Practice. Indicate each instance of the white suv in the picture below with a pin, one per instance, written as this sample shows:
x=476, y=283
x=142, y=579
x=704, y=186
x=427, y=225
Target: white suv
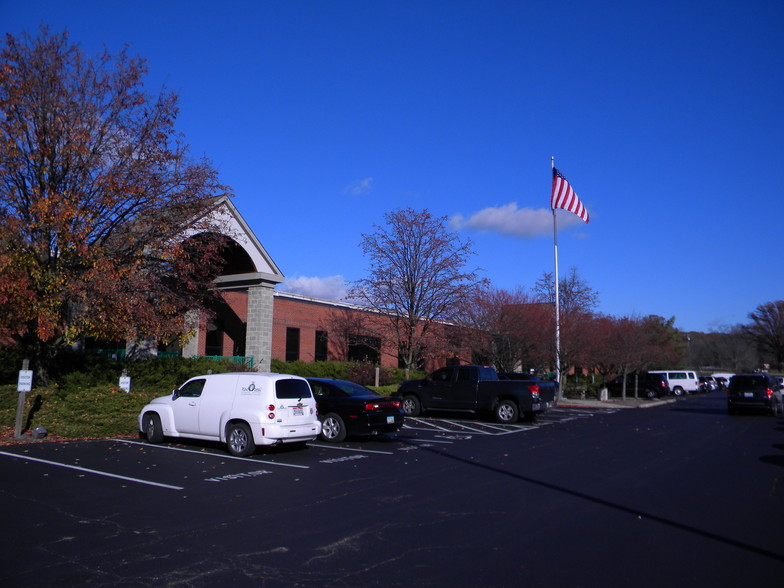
x=242, y=410
x=680, y=381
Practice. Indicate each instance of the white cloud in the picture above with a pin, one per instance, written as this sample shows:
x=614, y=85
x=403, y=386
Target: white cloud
x=525, y=223
x=359, y=187
x=329, y=288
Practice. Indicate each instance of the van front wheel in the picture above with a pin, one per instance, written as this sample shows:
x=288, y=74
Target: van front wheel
x=153, y=428
x=239, y=440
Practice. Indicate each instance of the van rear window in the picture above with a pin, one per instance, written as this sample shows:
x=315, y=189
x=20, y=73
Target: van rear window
x=292, y=389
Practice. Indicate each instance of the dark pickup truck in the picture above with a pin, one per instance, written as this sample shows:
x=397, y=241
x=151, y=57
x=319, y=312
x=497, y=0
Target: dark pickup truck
x=478, y=389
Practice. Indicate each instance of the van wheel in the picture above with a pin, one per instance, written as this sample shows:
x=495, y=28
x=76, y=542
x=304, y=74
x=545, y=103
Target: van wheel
x=506, y=412
x=412, y=406
x=153, y=428
x=239, y=440
x=678, y=391
x=333, y=429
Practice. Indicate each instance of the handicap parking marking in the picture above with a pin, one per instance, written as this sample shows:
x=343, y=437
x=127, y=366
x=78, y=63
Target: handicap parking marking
x=92, y=471
x=442, y=427
x=209, y=453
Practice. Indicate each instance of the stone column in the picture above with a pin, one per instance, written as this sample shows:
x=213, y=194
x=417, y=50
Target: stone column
x=191, y=348
x=258, y=337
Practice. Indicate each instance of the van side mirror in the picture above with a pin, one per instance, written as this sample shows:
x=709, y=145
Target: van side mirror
x=175, y=394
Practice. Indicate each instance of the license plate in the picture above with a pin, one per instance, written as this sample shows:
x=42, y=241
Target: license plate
x=299, y=411
x=748, y=394
x=390, y=420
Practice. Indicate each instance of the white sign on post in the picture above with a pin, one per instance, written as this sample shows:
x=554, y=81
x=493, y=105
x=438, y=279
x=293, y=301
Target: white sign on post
x=25, y=382
x=125, y=383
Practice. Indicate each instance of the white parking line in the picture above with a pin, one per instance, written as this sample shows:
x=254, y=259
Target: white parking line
x=284, y=465
x=350, y=449
x=89, y=471
x=464, y=426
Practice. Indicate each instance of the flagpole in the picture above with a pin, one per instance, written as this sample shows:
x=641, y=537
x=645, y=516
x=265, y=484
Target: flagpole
x=557, y=300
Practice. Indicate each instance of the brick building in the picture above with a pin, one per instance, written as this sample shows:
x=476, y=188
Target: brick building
x=254, y=321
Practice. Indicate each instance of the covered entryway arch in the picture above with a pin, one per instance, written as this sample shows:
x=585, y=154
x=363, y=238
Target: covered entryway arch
x=243, y=321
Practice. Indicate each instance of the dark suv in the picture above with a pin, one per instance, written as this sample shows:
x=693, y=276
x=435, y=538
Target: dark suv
x=648, y=385
x=754, y=391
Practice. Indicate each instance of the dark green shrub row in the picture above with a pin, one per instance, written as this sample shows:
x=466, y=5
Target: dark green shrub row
x=359, y=372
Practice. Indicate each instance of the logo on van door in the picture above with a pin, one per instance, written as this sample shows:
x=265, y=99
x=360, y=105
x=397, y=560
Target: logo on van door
x=251, y=390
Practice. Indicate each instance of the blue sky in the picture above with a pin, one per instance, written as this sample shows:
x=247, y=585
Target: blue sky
x=665, y=117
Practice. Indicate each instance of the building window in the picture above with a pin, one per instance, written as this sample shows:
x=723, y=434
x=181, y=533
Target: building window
x=292, y=344
x=213, y=344
x=320, y=353
x=362, y=348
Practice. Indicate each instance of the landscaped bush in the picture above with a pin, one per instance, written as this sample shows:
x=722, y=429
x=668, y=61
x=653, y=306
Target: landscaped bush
x=359, y=372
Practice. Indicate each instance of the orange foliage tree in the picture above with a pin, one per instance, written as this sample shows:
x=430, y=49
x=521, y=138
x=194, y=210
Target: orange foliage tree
x=103, y=212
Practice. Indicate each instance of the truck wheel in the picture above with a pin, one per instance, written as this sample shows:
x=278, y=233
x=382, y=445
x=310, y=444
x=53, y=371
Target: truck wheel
x=153, y=428
x=333, y=429
x=506, y=412
x=412, y=406
x=239, y=440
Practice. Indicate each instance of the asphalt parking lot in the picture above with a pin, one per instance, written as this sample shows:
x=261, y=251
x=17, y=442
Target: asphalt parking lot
x=184, y=465
x=448, y=500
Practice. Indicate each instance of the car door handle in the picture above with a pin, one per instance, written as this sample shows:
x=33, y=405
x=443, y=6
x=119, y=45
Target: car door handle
x=192, y=403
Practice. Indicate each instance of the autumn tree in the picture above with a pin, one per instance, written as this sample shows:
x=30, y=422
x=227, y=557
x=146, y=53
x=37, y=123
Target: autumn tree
x=767, y=332
x=97, y=196
x=417, y=278
x=507, y=328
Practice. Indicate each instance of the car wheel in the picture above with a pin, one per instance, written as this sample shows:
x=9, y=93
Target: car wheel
x=239, y=440
x=333, y=429
x=412, y=406
x=506, y=412
x=678, y=391
x=153, y=428
x=651, y=394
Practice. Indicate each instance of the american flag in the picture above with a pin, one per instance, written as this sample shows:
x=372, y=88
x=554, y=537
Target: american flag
x=564, y=197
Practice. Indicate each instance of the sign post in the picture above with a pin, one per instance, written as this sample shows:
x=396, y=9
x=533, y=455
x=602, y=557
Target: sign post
x=23, y=386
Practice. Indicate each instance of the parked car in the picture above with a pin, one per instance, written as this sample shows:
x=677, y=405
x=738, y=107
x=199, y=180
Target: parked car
x=243, y=410
x=346, y=408
x=680, y=381
x=721, y=382
x=649, y=385
x=708, y=384
x=754, y=391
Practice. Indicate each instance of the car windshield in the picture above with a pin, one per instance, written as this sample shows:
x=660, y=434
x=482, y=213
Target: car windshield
x=351, y=389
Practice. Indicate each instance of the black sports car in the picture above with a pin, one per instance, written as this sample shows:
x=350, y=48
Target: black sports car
x=346, y=408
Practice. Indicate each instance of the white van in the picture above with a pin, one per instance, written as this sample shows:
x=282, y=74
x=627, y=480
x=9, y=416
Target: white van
x=680, y=381
x=242, y=410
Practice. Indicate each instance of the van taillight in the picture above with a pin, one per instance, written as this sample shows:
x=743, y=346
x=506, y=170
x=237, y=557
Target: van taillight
x=271, y=409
